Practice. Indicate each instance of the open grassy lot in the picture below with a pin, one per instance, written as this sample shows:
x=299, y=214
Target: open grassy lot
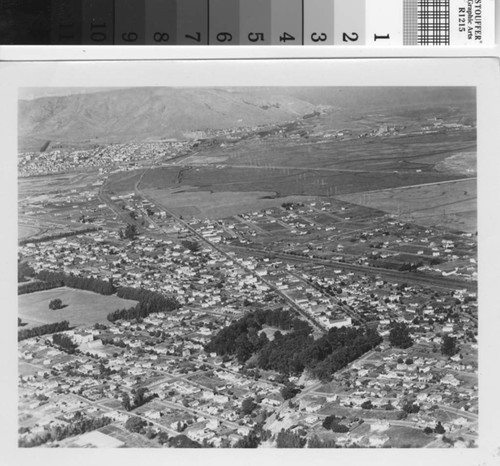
x=82, y=307
x=407, y=437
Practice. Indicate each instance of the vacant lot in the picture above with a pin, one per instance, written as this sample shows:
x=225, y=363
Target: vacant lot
x=81, y=307
x=407, y=437
x=451, y=204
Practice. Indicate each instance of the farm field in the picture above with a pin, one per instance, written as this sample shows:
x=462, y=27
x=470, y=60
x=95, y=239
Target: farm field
x=448, y=204
x=403, y=152
x=189, y=202
x=280, y=181
x=309, y=168
x=82, y=307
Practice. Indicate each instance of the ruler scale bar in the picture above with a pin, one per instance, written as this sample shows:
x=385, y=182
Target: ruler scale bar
x=318, y=22
x=224, y=22
x=286, y=22
x=98, y=22
x=161, y=22
x=255, y=22
x=66, y=23
x=192, y=22
x=345, y=23
x=130, y=22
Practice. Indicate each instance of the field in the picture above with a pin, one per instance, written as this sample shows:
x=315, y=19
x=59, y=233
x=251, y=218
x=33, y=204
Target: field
x=189, y=202
x=82, y=307
x=406, y=437
x=449, y=204
x=221, y=180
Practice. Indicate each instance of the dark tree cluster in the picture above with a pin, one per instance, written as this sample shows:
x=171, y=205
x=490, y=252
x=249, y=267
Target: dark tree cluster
x=411, y=408
x=135, y=424
x=130, y=231
x=193, y=246
x=78, y=426
x=254, y=438
x=241, y=337
x=104, y=287
x=182, y=441
x=24, y=270
x=449, y=346
x=141, y=397
x=289, y=439
x=42, y=330
x=33, y=287
x=295, y=351
x=64, y=342
x=55, y=304
x=316, y=442
x=411, y=266
x=67, y=234
x=248, y=406
x=333, y=423
x=289, y=391
x=149, y=302
x=399, y=336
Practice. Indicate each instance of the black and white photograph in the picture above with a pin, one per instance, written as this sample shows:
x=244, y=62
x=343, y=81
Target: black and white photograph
x=237, y=266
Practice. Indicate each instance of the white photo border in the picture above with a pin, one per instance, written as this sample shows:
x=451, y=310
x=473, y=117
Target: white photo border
x=482, y=73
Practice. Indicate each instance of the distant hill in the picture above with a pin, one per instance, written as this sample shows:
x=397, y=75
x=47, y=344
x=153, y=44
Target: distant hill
x=140, y=114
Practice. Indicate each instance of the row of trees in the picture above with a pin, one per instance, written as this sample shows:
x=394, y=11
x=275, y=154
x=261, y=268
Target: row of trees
x=25, y=333
x=66, y=234
x=104, y=287
x=295, y=351
x=33, y=287
x=149, y=302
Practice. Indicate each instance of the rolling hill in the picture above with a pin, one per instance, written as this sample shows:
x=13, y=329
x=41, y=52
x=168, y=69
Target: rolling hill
x=85, y=115
x=140, y=114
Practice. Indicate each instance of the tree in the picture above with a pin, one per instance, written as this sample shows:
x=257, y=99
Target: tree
x=127, y=406
x=162, y=438
x=130, y=232
x=55, y=304
x=449, y=346
x=367, y=404
x=64, y=342
x=289, y=391
x=193, y=246
x=289, y=439
x=252, y=440
x=439, y=429
x=339, y=428
x=399, y=336
x=316, y=442
x=248, y=406
x=134, y=424
x=410, y=407
x=328, y=421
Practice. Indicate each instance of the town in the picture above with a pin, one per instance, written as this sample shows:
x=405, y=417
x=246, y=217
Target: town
x=114, y=377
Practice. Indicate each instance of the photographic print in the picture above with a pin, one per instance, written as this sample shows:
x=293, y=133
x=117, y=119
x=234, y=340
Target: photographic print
x=247, y=266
